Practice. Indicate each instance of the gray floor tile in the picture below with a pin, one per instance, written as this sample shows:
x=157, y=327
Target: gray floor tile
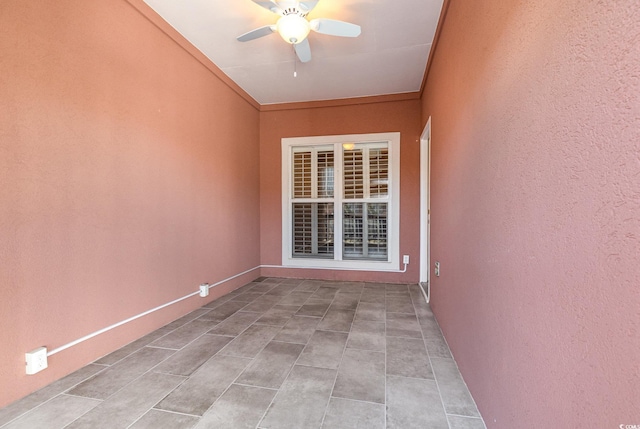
x=309, y=286
x=348, y=414
x=325, y=292
x=247, y=296
x=350, y=287
x=403, y=325
x=344, y=301
x=392, y=287
x=205, y=385
x=414, y=403
x=263, y=287
x=361, y=376
x=235, y=324
x=314, y=308
x=455, y=395
x=437, y=347
x=366, y=335
x=250, y=342
x=399, y=294
x=57, y=413
x=298, y=330
x=130, y=403
x=31, y=401
x=182, y=336
x=114, y=378
x=187, y=360
x=371, y=311
x=459, y=422
x=279, y=315
x=132, y=347
x=291, y=281
x=337, y=320
x=295, y=298
x=399, y=305
x=281, y=290
x=373, y=296
x=223, y=311
x=374, y=286
x=408, y=357
x=305, y=336
x=240, y=407
x=429, y=327
x=156, y=419
x=186, y=318
x=271, y=366
x=302, y=399
x=262, y=305
x=324, y=349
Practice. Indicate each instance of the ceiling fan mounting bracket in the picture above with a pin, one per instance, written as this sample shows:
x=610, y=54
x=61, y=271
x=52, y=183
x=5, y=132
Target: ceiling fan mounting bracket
x=293, y=11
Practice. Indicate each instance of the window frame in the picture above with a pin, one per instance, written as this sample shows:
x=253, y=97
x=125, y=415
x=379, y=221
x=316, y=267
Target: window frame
x=393, y=221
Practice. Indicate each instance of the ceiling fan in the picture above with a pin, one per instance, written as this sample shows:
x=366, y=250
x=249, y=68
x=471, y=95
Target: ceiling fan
x=294, y=27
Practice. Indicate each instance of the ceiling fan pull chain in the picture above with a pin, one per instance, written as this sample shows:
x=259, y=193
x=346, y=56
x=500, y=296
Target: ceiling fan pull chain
x=295, y=62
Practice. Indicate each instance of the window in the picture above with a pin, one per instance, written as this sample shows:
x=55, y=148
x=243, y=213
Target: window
x=341, y=201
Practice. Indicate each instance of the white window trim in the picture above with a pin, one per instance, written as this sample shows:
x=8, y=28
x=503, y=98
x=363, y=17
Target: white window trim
x=393, y=260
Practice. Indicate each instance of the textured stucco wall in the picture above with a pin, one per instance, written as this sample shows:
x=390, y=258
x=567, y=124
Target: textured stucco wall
x=535, y=110
x=377, y=117
x=128, y=176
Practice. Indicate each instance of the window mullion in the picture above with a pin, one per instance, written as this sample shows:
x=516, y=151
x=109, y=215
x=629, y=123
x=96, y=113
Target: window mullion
x=338, y=195
x=314, y=228
x=314, y=173
x=365, y=231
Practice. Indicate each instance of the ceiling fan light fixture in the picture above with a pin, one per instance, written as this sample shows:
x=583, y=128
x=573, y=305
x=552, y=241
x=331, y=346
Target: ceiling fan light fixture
x=293, y=28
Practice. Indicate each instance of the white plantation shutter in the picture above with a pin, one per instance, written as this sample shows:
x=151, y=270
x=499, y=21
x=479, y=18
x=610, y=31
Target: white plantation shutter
x=353, y=168
x=312, y=220
x=366, y=174
x=341, y=200
x=379, y=172
x=302, y=174
x=325, y=174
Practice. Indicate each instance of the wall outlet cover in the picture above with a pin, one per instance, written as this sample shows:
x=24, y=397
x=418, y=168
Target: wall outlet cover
x=204, y=290
x=36, y=360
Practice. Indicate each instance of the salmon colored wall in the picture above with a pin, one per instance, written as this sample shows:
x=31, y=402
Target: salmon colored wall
x=402, y=116
x=128, y=176
x=536, y=207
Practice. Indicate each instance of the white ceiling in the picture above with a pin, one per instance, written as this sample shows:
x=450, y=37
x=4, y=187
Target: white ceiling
x=389, y=57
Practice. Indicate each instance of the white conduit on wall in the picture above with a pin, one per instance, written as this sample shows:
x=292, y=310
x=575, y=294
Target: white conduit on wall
x=130, y=319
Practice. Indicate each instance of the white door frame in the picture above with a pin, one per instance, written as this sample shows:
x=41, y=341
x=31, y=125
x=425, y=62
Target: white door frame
x=425, y=206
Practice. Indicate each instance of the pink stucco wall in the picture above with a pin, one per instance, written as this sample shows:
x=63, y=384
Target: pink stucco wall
x=535, y=110
x=375, y=116
x=128, y=176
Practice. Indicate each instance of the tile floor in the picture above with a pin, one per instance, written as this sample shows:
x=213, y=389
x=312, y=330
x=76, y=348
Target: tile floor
x=276, y=353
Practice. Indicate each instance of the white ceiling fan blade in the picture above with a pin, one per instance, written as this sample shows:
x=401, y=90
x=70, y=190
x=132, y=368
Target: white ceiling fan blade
x=307, y=6
x=303, y=51
x=334, y=27
x=258, y=32
x=270, y=5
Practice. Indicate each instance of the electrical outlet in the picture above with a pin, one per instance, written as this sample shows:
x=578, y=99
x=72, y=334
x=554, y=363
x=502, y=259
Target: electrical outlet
x=204, y=289
x=36, y=360
x=405, y=259
x=437, y=269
